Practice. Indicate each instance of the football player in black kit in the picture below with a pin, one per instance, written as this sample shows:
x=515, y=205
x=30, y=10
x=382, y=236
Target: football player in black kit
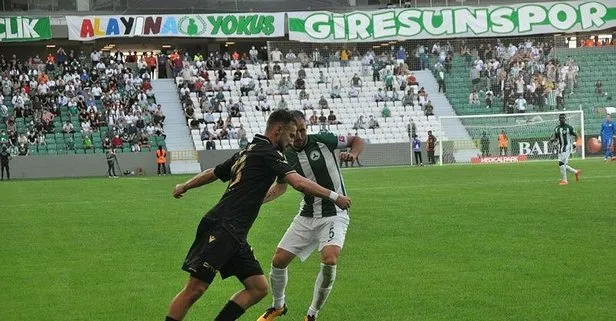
x=221, y=241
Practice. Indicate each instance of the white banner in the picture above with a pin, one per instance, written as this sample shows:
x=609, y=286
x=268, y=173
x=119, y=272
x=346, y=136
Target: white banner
x=426, y=23
x=233, y=25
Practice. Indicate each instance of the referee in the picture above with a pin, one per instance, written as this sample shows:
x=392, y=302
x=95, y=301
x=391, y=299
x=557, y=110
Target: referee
x=5, y=157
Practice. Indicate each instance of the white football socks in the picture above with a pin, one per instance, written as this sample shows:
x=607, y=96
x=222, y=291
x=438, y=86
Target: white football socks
x=571, y=169
x=322, y=287
x=278, y=280
x=563, y=172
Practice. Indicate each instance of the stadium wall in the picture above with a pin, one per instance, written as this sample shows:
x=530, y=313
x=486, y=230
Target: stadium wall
x=77, y=165
x=373, y=155
x=62, y=166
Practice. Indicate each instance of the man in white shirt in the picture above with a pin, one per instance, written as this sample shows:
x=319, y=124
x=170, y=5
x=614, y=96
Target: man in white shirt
x=97, y=92
x=254, y=55
x=276, y=55
x=95, y=56
x=290, y=56
x=521, y=104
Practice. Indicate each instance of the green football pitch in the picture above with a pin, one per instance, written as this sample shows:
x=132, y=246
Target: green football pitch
x=494, y=242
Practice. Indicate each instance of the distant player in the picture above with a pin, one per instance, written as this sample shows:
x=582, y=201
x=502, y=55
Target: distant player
x=607, y=136
x=320, y=224
x=565, y=137
x=220, y=243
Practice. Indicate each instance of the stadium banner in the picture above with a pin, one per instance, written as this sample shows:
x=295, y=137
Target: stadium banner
x=537, y=147
x=21, y=29
x=233, y=25
x=428, y=23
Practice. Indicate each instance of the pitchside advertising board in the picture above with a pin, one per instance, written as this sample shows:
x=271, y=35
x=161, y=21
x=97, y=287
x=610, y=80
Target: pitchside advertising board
x=237, y=25
x=21, y=29
x=429, y=23
x=523, y=149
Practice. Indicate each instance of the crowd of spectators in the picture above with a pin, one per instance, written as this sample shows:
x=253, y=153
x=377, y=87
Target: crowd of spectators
x=518, y=75
x=73, y=96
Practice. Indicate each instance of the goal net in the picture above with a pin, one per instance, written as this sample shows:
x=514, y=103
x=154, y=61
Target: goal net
x=506, y=138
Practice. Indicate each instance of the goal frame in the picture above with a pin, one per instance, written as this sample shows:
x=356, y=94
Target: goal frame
x=566, y=112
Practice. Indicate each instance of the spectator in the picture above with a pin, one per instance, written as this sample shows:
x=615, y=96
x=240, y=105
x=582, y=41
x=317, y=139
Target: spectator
x=254, y=55
x=276, y=69
x=473, y=98
x=243, y=142
x=323, y=103
x=409, y=99
x=344, y=57
x=300, y=83
x=116, y=141
x=290, y=56
x=521, y=104
x=389, y=81
x=354, y=93
x=423, y=97
x=322, y=78
x=276, y=55
x=335, y=93
x=264, y=106
x=307, y=104
x=429, y=109
x=475, y=78
x=246, y=85
x=356, y=81
x=412, y=80
x=440, y=76
x=380, y=95
x=373, y=123
x=209, y=118
x=87, y=142
x=598, y=89
x=106, y=144
x=303, y=95
x=489, y=99
x=485, y=145
x=331, y=119
x=360, y=123
x=282, y=104
x=322, y=119
x=313, y=118
x=68, y=128
x=301, y=73
x=210, y=144
x=385, y=112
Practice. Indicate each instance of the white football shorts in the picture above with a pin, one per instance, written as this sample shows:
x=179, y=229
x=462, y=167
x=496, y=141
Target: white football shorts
x=305, y=234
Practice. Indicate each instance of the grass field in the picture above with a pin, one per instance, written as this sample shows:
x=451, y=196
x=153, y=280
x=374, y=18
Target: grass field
x=492, y=243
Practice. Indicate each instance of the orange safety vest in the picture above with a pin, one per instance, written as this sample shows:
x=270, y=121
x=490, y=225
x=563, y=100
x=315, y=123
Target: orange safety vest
x=502, y=141
x=161, y=156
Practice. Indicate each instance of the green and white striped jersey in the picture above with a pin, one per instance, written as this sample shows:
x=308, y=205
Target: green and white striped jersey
x=563, y=134
x=317, y=162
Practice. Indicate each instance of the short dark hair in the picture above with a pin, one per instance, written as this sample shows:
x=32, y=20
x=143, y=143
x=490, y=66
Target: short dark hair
x=280, y=116
x=298, y=114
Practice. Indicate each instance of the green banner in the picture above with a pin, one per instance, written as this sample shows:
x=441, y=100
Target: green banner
x=427, y=23
x=19, y=29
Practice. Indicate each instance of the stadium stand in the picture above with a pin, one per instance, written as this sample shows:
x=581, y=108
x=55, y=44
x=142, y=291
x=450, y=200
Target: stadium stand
x=355, y=100
x=77, y=104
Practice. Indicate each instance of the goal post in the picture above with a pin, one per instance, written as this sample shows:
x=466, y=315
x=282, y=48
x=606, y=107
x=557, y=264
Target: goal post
x=504, y=138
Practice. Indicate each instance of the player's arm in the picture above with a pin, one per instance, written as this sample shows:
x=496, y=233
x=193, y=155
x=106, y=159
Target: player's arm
x=203, y=178
x=356, y=146
x=279, y=165
x=222, y=172
x=275, y=191
x=309, y=187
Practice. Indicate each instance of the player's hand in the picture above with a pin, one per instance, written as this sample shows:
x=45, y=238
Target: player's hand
x=343, y=202
x=347, y=157
x=179, y=190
